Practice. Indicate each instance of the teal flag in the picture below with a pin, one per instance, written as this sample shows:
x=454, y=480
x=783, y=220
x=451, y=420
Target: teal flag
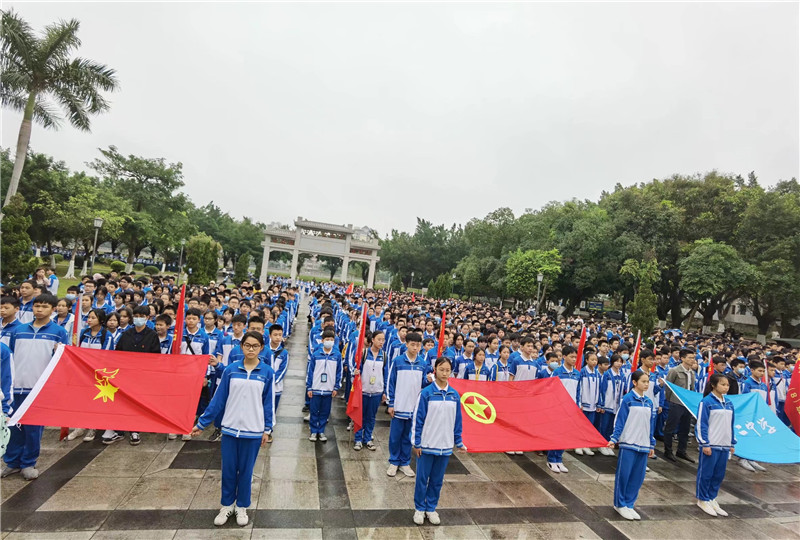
x=760, y=435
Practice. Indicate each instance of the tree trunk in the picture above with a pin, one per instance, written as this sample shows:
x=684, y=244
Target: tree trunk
x=23, y=141
x=789, y=330
x=675, y=309
x=71, y=268
x=689, y=317
x=130, y=259
x=52, y=255
x=163, y=266
x=38, y=252
x=84, y=270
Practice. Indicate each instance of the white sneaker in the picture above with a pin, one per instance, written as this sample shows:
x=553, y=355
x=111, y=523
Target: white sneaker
x=607, y=451
x=419, y=517
x=241, y=516
x=757, y=466
x=358, y=446
x=579, y=451
x=350, y=426
x=717, y=509
x=636, y=515
x=322, y=437
x=172, y=436
x=224, y=513
x=406, y=470
x=706, y=507
x=89, y=437
x=312, y=437
x=519, y=453
x=647, y=469
x=625, y=512
x=307, y=418
x=186, y=437
x=392, y=470
x=588, y=451
x=511, y=453
x=744, y=464
x=433, y=517
x=553, y=467
x=75, y=433
x=562, y=467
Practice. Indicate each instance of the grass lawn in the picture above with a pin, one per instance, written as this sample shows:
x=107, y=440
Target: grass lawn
x=63, y=283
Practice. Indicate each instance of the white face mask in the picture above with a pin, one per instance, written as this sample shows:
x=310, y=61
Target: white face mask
x=138, y=322
x=553, y=365
x=327, y=344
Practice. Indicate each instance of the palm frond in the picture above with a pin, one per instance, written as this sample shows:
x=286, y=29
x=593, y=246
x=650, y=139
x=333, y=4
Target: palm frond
x=46, y=114
x=81, y=73
x=13, y=100
x=14, y=80
x=59, y=39
x=76, y=109
x=17, y=40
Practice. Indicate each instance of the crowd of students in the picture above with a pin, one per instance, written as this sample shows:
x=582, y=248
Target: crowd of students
x=242, y=331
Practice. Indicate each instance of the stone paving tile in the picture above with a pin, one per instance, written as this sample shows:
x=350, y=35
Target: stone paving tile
x=288, y=494
x=294, y=534
x=111, y=463
x=774, y=528
x=151, y=493
x=394, y=533
x=566, y=530
x=526, y=494
x=369, y=496
x=90, y=493
x=165, y=534
x=444, y=532
x=213, y=534
x=76, y=535
x=670, y=529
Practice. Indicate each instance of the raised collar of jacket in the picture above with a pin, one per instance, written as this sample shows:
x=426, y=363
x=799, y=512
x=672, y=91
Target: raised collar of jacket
x=414, y=361
x=718, y=399
x=257, y=368
x=444, y=390
x=636, y=396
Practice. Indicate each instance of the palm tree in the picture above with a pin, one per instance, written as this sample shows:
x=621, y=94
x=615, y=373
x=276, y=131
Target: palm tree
x=38, y=77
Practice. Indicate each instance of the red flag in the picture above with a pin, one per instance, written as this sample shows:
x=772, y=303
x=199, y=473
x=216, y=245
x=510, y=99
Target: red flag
x=523, y=416
x=441, y=334
x=76, y=324
x=349, y=289
x=181, y=311
x=766, y=381
x=95, y=389
x=581, y=345
x=792, y=405
x=390, y=295
x=710, y=364
x=413, y=297
x=355, y=403
x=636, y=351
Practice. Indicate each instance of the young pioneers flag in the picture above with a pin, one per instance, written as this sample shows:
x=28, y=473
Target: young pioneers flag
x=792, y=405
x=355, y=405
x=636, y=350
x=523, y=416
x=581, y=346
x=131, y=391
x=179, y=314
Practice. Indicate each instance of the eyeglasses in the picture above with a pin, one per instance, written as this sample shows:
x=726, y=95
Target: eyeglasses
x=251, y=346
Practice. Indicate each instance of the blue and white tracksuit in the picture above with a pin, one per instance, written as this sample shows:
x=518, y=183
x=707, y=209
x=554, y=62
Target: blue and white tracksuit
x=501, y=372
x=714, y=429
x=473, y=373
x=373, y=385
x=611, y=392
x=571, y=380
x=590, y=394
x=633, y=431
x=32, y=349
x=523, y=369
x=278, y=359
x=324, y=377
x=245, y=400
x=406, y=380
x=436, y=428
x=6, y=379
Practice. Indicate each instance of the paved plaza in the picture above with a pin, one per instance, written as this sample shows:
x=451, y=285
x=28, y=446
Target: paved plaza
x=171, y=489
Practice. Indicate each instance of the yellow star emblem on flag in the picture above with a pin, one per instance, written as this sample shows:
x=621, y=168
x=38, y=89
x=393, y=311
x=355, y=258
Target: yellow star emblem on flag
x=106, y=389
x=476, y=407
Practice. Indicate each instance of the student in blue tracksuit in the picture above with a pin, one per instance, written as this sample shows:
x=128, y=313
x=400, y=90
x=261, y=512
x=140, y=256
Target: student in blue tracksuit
x=323, y=383
x=408, y=375
x=477, y=370
x=611, y=392
x=245, y=395
x=32, y=346
x=435, y=430
x=589, y=393
x=633, y=432
x=570, y=378
x=276, y=356
x=373, y=388
x=6, y=380
x=716, y=437
x=754, y=383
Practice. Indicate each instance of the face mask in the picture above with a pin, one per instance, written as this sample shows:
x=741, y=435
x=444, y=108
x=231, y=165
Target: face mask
x=138, y=322
x=328, y=345
x=553, y=365
x=740, y=370
x=70, y=297
x=625, y=356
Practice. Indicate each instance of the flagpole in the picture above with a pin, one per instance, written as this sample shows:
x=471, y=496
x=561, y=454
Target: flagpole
x=179, y=314
x=441, y=334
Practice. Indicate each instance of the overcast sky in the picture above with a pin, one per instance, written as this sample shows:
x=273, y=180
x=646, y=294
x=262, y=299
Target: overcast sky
x=377, y=113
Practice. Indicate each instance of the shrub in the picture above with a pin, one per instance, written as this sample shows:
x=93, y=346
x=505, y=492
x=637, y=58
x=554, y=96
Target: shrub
x=152, y=270
x=117, y=266
x=58, y=258
x=139, y=267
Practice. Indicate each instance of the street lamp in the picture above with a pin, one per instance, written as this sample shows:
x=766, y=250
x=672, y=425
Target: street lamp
x=411, y=286
x=539, y=278
x=98, y=223
x=180, y=260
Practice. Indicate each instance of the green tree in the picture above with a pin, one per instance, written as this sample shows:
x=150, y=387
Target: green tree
x=523, y=267
x=397, y=283
x=241, y=269
x=38, y=78
x=643, y=308
x=202, y=257
x=17, y=259
x=332, y=265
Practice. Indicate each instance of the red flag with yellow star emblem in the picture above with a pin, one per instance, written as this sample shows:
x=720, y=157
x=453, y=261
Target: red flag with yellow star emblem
x=522, y=416
x=98, y=389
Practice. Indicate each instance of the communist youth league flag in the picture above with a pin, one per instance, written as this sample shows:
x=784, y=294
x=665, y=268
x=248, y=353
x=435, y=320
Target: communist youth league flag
x=522, y=416
x=96, y=389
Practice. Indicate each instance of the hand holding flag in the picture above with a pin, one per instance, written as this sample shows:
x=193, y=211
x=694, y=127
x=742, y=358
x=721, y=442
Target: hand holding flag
x=581, y=346
x=176, y=343
x=355, y=403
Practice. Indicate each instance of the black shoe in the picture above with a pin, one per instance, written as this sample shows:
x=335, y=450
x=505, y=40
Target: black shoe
x=305, y=408
x=669, y=456
x=111, y=440
x=684, y=456
x=134, y=438
x=659, y=438
x=216, y=436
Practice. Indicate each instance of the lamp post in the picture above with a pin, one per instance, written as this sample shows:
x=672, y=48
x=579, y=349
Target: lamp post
x=98, y=223
x=539, y=278
x=411, y=286
x=180, y=260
